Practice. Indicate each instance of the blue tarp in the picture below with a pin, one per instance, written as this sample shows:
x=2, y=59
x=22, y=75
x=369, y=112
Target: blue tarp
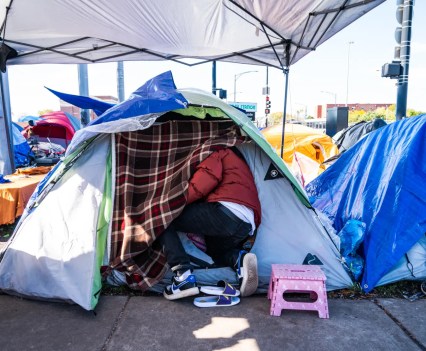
x=379, y=181
x=21, y=148
x=84, y=102
x=159, y=94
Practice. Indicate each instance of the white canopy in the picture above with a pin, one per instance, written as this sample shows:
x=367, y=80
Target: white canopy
x=275, y=33
x=240, y=31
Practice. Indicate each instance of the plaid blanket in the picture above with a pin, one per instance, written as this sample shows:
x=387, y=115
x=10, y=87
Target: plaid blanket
x=153, y=167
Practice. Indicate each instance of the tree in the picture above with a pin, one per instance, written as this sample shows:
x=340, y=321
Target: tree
x=387, y=114
x=277, y=118
x=44, y=112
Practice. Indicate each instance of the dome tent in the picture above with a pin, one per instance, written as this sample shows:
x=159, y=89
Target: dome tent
x=388, y=196
x=305, y=149
x=59, y=255
x=55, y=127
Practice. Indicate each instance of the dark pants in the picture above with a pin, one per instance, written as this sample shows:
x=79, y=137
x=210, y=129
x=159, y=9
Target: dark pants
x=224, y=234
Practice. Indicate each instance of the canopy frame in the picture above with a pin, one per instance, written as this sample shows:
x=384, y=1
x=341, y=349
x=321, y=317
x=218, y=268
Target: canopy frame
x=275, y=40
x=313, y=43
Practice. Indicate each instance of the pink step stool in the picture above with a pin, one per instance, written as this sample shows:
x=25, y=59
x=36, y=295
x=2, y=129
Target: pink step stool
x=290, y=278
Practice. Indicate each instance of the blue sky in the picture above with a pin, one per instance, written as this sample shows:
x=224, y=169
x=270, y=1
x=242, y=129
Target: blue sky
x=326, y=69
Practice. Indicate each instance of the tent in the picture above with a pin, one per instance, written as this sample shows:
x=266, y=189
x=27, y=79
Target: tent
x=388, y=196
x=125, y=176
x=350, y=135
x=54, y=127
x=22, y=150
x=29, y=118
x=272, y=33
x=305, y=149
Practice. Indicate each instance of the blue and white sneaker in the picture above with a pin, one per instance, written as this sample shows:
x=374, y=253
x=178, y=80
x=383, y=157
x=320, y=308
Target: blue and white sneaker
x=247, y=273
x=180, y=289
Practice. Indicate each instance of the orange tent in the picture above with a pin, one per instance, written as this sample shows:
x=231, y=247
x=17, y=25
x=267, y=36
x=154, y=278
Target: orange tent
x=305, y=149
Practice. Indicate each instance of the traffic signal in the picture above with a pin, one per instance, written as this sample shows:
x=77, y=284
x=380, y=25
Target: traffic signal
x=398, y=30
x=268, y=106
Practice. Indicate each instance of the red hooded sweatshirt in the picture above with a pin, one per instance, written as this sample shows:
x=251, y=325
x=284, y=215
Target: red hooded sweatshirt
x=223, y=176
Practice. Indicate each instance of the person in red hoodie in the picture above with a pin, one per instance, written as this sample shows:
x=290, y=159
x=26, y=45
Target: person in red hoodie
x=223, y=206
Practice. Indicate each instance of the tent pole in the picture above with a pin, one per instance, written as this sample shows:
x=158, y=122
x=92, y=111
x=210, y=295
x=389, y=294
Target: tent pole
x=286, y=72
x=7, y=163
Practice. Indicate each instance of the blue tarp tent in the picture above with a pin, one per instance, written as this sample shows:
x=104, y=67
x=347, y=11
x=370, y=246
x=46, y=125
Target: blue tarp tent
x=381, y=182
x=20, y=146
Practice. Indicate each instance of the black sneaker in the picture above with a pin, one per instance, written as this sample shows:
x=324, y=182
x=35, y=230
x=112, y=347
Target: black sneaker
x=180, y=289
x=247, y=273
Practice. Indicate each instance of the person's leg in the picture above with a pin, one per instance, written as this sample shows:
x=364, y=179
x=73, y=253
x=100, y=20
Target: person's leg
x=224, y=232
x=224, y=235
x=183, y=282
x=225, y=249
x=176, y=256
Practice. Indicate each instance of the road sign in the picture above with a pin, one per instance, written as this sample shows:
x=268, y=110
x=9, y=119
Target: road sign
x=266, y=91
x=251, y=115
x=246, y=106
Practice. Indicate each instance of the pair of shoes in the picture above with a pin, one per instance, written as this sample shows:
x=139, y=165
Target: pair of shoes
x=179, y=289
x=224, y=295
x=247, y=273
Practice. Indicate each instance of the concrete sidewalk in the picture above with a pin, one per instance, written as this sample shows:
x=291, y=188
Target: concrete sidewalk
x=152, y=323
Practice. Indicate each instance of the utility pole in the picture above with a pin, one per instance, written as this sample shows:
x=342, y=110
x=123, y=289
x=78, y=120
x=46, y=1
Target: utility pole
x=120, y=81
x=214, y=77
x=404, y=16
x=83, y=82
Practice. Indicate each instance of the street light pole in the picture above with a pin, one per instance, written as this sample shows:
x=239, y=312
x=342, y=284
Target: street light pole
x=236, y=76
x=331, y=93
x=305, y=110
x=347, y=77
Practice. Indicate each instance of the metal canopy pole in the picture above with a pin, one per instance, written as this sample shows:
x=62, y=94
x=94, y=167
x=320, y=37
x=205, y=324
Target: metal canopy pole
x=286, y=69
x=286, y=72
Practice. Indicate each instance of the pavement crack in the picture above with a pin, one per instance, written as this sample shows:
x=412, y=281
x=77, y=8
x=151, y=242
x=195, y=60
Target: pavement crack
x=400, y=325
x=115, y=325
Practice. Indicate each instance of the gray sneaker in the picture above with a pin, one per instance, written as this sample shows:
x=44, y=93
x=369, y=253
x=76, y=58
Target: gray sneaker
x=247, y=273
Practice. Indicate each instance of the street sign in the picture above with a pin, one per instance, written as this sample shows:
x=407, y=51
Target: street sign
x=251, y=115
x=246, y=106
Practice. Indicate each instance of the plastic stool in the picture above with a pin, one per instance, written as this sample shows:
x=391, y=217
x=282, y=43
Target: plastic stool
x=288, y=278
